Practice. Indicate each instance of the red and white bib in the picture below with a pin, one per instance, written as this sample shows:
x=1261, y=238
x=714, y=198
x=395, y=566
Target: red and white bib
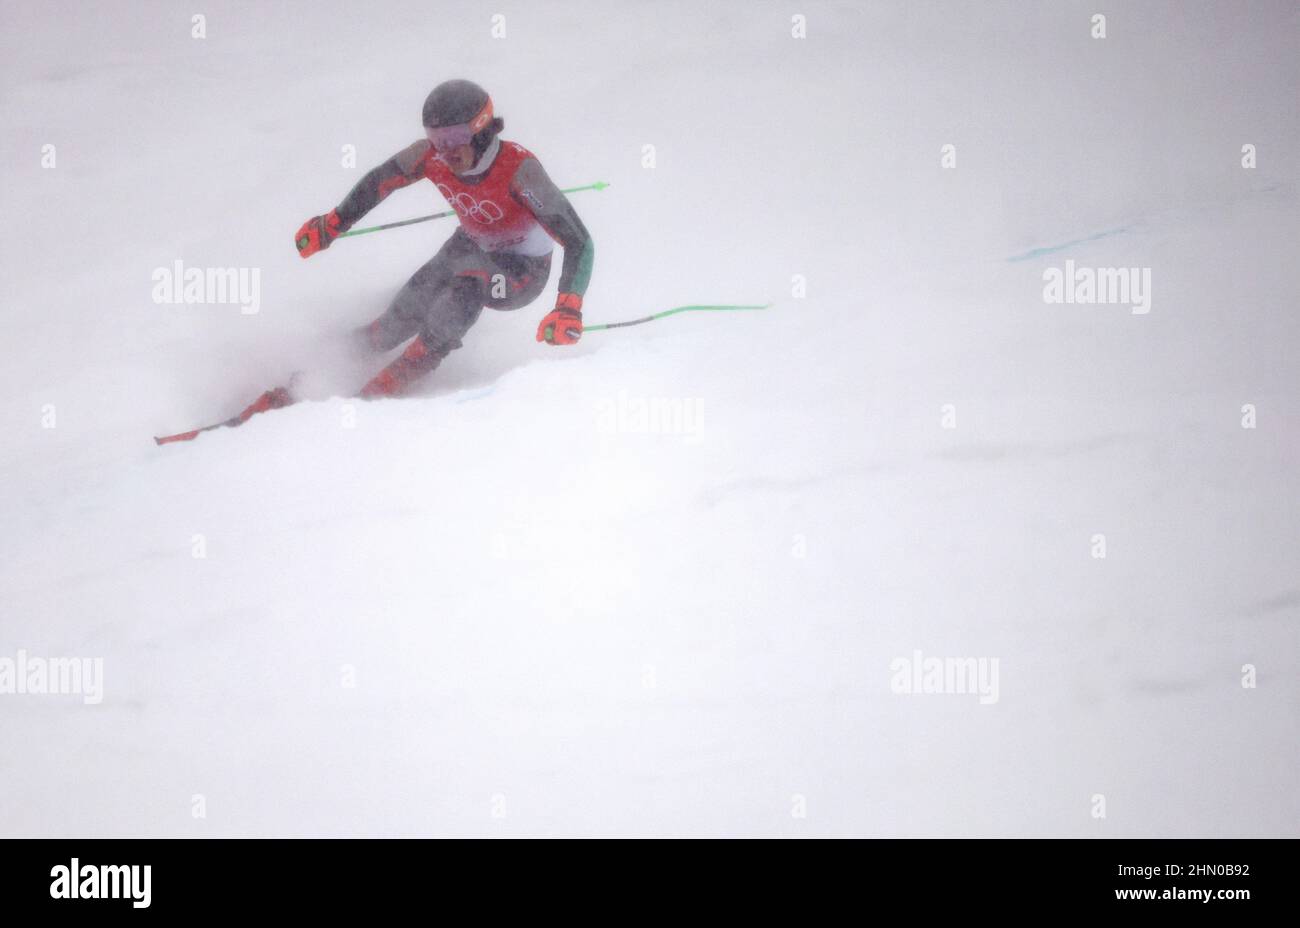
x=490, y=216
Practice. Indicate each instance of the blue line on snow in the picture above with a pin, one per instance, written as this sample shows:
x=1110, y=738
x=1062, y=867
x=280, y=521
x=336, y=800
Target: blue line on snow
x=1048, y=249
x=469, y=396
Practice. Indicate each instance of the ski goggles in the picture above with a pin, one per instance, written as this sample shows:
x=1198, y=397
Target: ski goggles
x=449, y=138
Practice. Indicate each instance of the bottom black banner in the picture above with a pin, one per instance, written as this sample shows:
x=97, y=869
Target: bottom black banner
x=139, y=878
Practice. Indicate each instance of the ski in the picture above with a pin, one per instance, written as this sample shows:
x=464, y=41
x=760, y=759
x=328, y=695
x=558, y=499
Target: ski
x=276, y=398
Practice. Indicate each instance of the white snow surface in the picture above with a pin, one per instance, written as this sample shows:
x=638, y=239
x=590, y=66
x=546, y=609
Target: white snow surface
x=495, y=609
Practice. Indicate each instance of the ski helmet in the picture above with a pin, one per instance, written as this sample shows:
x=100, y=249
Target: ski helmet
x=460, y=113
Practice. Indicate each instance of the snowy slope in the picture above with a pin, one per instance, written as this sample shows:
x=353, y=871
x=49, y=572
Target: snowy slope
x=510, y=605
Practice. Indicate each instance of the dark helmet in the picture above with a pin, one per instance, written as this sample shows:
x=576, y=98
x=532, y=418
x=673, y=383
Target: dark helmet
x=463, y=103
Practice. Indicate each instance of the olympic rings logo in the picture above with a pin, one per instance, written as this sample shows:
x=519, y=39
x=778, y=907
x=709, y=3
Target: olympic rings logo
x=484, y=211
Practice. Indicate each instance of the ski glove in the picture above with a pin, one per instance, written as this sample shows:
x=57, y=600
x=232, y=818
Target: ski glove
x=562, y=325
x=317, y=233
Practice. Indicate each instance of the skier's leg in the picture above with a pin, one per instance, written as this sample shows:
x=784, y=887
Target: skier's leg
x=445, y=298
x=406, y=314
x=517, y=280
x=384, y=333
x=455, y=308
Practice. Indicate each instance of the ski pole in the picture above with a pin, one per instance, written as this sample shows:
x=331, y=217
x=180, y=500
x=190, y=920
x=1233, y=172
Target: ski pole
x=669, y=312
x=599, y=185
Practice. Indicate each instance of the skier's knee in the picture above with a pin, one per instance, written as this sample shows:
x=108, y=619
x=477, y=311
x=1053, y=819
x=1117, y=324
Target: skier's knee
x=439, y=344
x=365, y=339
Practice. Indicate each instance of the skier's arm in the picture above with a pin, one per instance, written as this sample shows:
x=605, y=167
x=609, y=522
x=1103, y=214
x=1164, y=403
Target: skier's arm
x=535, y=190
x=405, y=167
x=401, y=170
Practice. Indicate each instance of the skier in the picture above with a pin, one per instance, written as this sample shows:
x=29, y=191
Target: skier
x=500, y=254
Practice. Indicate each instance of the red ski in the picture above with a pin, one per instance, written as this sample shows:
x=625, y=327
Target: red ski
x=271, y=399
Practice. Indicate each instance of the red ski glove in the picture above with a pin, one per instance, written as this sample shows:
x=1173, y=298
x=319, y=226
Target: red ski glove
x=317, y=233
x=562, y=325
